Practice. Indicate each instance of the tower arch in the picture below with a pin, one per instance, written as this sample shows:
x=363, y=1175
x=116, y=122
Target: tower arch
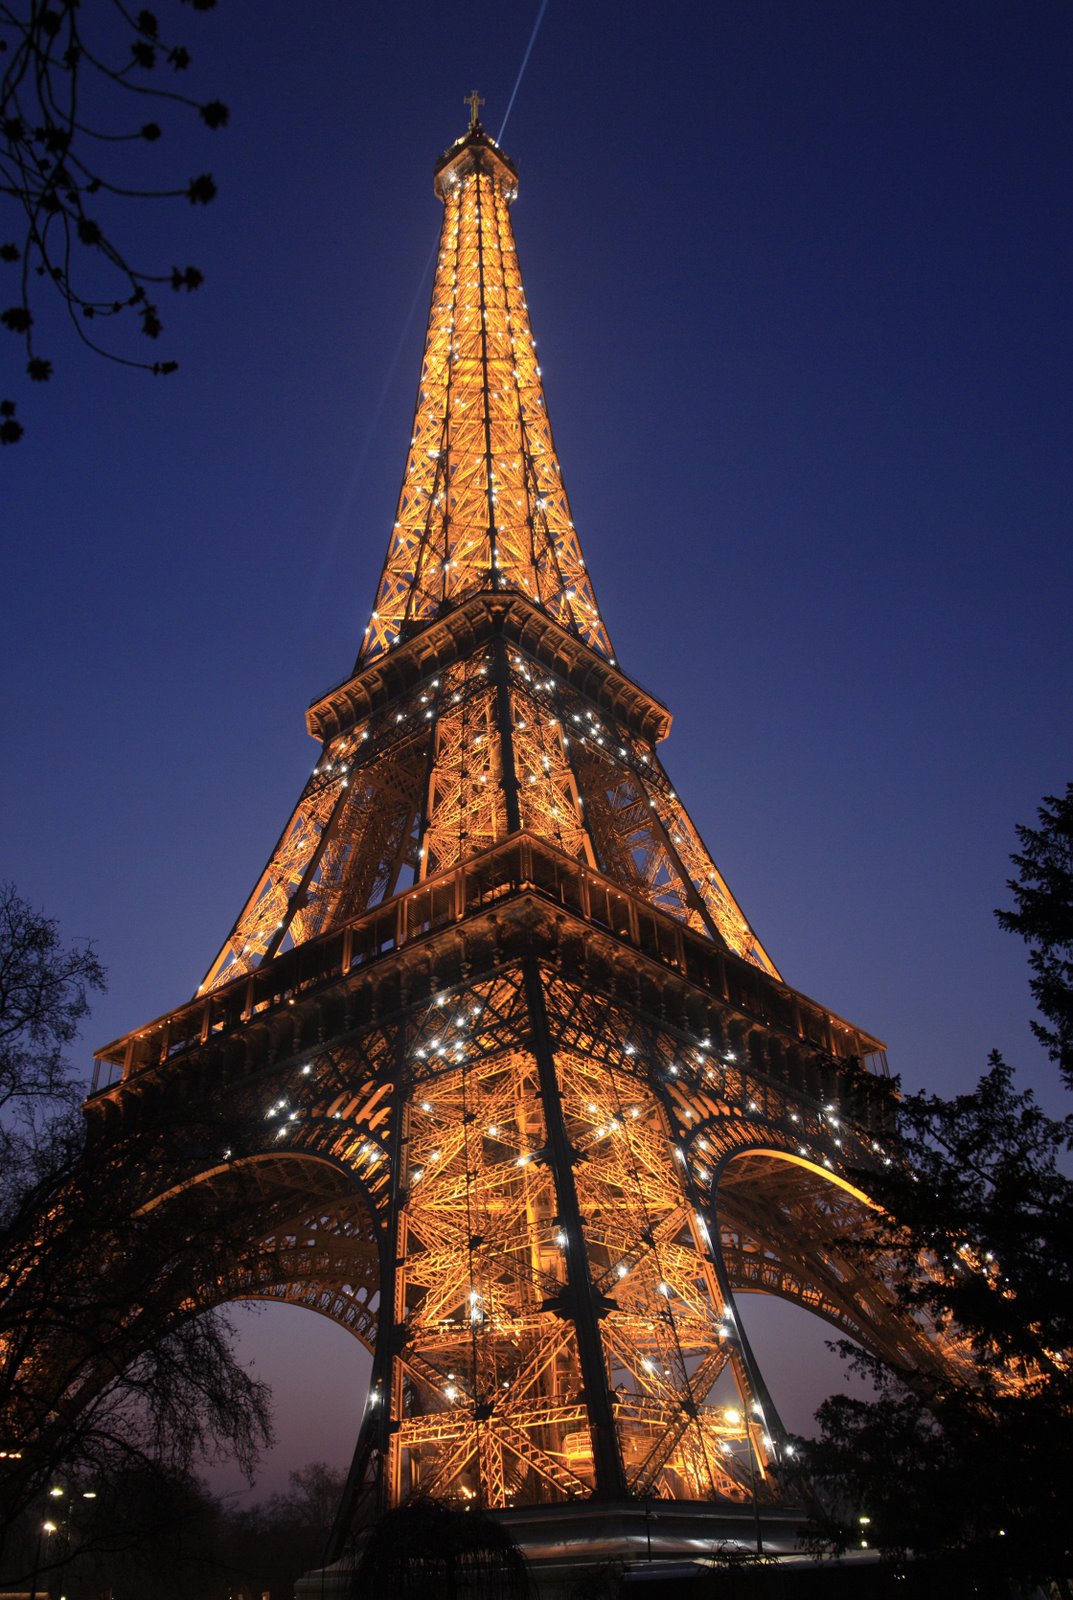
x=305, y=1235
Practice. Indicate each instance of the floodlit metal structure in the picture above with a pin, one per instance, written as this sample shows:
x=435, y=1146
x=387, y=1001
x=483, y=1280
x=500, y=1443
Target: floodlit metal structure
x=527, y=1101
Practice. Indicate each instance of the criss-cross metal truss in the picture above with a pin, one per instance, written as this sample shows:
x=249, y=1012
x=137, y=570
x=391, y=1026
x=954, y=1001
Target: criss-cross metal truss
x=483, y=505
x=529, y=1139
x=499, y=739
x=567, y=1328
x=526, y=1105
x=488, y=740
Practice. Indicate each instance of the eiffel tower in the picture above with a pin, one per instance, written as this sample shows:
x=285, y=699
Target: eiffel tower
x=526, y=1102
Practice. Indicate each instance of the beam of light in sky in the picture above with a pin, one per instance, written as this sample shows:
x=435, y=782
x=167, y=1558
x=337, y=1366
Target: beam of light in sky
x=521, y=69
x=343, y=514
x=341, y=518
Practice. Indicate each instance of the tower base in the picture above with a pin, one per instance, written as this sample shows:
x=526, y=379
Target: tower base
x=560, y=1542
x=592, y=1532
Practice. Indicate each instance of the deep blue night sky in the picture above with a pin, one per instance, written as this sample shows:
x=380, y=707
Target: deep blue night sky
x=801, y=281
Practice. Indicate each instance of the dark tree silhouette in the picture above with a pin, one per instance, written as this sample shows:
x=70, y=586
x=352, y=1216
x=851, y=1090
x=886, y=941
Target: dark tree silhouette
x=144, y=1530
x=78, y=82
x=103, y=1359
x=428, y=1550
x=44, y=994
x=272, y=1544
x=977, y=1218
x=1043, y=891
x=150, y=1529
x=978, y=1222
x=111, y=1350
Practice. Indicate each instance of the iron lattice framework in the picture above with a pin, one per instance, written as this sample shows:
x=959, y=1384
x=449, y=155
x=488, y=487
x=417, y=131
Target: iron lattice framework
x=527, y=1103
x=483, y=504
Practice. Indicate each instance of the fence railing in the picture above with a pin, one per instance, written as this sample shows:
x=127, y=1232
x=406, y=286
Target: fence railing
x=520, y=864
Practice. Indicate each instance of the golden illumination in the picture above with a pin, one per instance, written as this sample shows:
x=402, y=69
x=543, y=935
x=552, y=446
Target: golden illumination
x=520, y=1099
x=483, y=504
x=488, y=1393
x=494, y=739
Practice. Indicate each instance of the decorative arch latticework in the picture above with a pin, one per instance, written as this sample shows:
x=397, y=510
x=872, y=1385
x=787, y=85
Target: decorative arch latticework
x=575, y=1194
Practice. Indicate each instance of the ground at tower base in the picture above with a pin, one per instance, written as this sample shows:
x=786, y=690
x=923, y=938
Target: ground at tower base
x=605, y=1557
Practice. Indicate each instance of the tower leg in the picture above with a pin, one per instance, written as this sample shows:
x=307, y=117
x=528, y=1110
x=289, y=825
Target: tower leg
x=607, y=1460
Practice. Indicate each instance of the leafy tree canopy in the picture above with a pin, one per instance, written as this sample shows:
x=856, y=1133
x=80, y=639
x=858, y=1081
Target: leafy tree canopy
x=1043, y=891
x=974, y=1458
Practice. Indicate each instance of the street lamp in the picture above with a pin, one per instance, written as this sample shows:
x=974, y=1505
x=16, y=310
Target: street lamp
x=57, y=1493
x=49, y=1528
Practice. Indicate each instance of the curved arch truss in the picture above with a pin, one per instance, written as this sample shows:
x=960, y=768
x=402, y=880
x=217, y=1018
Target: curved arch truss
x=534, y=1197
x=788, y=1229
x=288, y=1227
x=571, y=1193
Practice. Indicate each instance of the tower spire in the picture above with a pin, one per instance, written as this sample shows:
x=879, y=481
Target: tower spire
x=485, y=700
x=483, y=505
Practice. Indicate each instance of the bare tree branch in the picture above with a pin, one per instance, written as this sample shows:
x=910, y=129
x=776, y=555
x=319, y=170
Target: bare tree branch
x=51, y=170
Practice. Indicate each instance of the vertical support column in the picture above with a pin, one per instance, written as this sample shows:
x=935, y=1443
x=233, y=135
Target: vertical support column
x=392, y=1306
x=607, y=1460
x=747, y=1369
x=575, y=779
x=383, y=1405
x=421, y=872
x=505, y=728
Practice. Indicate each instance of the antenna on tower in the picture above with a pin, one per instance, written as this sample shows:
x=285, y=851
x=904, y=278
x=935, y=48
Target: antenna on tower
x=473, y=100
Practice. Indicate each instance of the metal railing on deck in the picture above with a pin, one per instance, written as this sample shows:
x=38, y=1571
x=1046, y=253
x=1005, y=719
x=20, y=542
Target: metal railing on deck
x=522, y=863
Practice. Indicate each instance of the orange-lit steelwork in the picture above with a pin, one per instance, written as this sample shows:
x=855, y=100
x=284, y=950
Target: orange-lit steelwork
x=483, y=504
x=497, y=741
x=528, y=1101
